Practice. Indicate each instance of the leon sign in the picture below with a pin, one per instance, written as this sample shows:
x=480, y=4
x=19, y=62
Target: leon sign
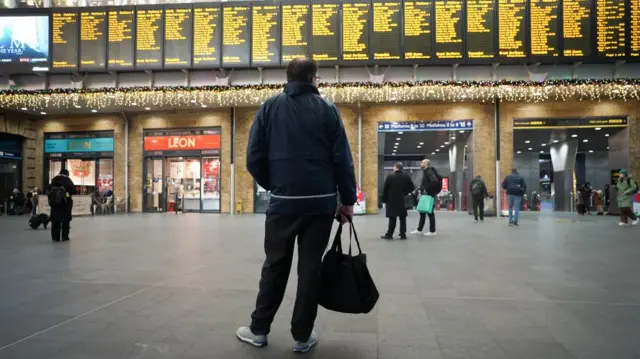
x=182, y=143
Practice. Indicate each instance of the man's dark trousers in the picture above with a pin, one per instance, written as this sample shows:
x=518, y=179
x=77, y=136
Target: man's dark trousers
x=57, y=227
x=313, y=234
x=478, y=207
x=392, y=226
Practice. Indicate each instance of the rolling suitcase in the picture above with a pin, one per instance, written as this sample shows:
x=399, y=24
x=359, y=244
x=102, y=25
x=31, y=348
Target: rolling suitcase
x=37, y=220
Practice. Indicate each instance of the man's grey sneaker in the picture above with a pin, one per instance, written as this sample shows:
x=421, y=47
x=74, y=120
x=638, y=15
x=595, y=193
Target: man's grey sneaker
x=303, y=347
x=246, y=335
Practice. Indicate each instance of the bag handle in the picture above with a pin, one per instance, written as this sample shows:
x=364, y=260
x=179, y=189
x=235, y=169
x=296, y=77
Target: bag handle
x=352, y=232
x=337, y=240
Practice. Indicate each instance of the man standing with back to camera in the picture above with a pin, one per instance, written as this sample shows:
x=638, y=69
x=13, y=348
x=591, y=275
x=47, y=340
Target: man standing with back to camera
x=299, y=151
x=61, y=203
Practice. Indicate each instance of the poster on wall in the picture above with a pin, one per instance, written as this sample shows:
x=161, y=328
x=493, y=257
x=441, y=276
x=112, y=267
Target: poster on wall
x=636, y=204
x=360, y=207
x=82, y=173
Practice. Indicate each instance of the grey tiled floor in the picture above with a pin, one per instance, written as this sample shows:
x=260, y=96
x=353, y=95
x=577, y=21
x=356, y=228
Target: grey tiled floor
x=177, y=286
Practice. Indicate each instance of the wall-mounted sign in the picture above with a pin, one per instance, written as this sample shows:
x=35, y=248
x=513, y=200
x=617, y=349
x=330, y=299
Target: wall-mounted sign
x=584, y=122
x=13, y=155
x=454, y=125
x=182, y=143
x=78, y=145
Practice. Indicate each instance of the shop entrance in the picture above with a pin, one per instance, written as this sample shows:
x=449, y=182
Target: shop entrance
x=10, y=165
x=447, y=144
x=189, y=184
x=568, y=163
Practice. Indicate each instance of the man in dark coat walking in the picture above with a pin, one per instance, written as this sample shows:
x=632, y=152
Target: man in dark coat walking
x=478, y=191
x=61, y=191
x=396, y=187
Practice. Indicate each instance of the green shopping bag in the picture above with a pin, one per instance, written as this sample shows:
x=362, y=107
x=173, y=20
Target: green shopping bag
x=425, y=204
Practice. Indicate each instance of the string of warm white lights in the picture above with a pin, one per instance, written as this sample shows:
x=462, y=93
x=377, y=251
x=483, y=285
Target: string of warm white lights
x=228, y=96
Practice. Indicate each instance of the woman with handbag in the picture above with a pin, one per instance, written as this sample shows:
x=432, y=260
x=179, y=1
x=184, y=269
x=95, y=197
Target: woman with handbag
x=430, y=186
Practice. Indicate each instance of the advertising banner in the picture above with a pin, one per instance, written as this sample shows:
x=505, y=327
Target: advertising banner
x=181, y=143
x=78, y=145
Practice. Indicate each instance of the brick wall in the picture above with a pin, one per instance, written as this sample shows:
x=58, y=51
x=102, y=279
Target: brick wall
x=23, y=125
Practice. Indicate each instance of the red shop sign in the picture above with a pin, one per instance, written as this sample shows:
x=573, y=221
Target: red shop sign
x=177, y=143
x=445, y=183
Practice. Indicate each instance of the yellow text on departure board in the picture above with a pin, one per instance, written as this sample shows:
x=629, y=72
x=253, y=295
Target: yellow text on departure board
x=448, y=26
x=611, y=30
x=147, y=31
x=417, y=29
x=385, y=25
x=205, y=21
x=234, y=33
x=60, y=21
x=294, y=38
x=90, y=25
x=511, y=23
x=324, y=29
x=479, y=30
x=575, y=27
x=354, y=27
x=634, y=27
x=120, y=26
x=175, y=28
x=544, y=17
x=264, y=26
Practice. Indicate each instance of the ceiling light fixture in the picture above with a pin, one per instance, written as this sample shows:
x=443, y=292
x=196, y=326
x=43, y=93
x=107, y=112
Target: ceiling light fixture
x=607, y=147
x=519, y=152
x=24, y=109
x=598, y=128
x=555, y=141
x=530, y=149
x=541, y=151
x=441, y=146
x=446, y=143
x=461, y=131
x=400, y=133
x=395, y=144
x=421, y=143
x=419, y=146
x=43, y=113
x=398, y=139
x=147, y=108
x=94, y=110
x=437, y=150
x=544, y=145
x=606, y=135
x=590, y=151
x=574, y=135
x=433, y=153
x=77, y=106
x=453, y=137
x=585, y=140
x=527, y=141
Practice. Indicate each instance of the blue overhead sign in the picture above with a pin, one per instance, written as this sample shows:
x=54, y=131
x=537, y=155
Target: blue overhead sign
x=454, y=125
x=14, y=155
x=78, y=145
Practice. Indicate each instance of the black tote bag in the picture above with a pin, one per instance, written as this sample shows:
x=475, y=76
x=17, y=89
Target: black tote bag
x=346, y=284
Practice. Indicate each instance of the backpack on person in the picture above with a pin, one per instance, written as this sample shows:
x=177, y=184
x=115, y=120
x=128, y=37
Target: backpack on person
x=436, y=187
x=476, y=189
x=57, y=196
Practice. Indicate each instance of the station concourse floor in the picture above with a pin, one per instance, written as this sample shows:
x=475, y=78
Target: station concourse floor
x=177, y=286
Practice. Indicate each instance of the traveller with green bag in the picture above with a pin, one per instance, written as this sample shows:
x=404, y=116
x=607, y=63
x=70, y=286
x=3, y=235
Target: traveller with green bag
x=430, y=187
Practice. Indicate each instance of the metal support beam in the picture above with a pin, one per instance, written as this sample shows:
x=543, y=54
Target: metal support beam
x=359, y=144
x=454, y=72
x=415, y=73
x=497, y=145
x=494, y=71
x=260, y=75
x=337, y=73
x=152, y=78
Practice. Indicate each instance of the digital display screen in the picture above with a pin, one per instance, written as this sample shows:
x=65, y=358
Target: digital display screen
x=386, y=41
x=265, y=35
x=64, y=44
x=236, y=35
x=149, y=37
x=93, y=39
x=634, y=28
x=206, y=36
x=481, y=29
x=449, y=29
x=296, y=24
x=611, y=28
x=178, y=36
x=325, y=39
x=121, y=46
x=576, y=28
x=511, y=29
x=545, y=29
x=355, y=31
x=24, y=43
x=418, y=31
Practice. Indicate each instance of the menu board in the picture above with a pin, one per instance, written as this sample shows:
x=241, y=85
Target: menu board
x=93, y=39
x=610, y=28
x=449, y=29
x=178, y=36
x=481, y=29
x=64, y=32
x=355, y=31
x=544, y=30
x=325, y=39
x=417, y=32
x=149, y=34
x=121, y=46
x=265, y=35
x=296, y=24
x=236, y=36
x=207, y=36
x=511, y=29
x=386, y=31
x=576, y=28
x=634, y=28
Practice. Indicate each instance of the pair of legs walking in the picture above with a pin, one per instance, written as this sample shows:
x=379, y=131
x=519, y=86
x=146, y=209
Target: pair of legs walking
x=514, y=209
x=392, y=227
x=478, y=208
x=625, y=214
x=432, y=222
x=281, y=232
x=60, y=231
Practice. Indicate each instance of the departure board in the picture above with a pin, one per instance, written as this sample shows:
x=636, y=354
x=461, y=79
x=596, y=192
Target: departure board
x=634, y=28
x=610, y=28
x=481, y=30
x=355, y=31
x=386, y=39
x=512, y=29
x=149, y=33
x=121, y=46
x=576, y=28
x=325, y=37
x=207, y=36
x=296, y=24
x=178, y=36
x=265, y=35
x=418, y=31
x=449, y=29
x=236, y=35
x=93, y=39
x=544, y=28
x=64, y=53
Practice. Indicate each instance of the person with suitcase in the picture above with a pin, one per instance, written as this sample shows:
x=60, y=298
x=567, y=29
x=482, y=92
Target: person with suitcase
x=61, y=191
